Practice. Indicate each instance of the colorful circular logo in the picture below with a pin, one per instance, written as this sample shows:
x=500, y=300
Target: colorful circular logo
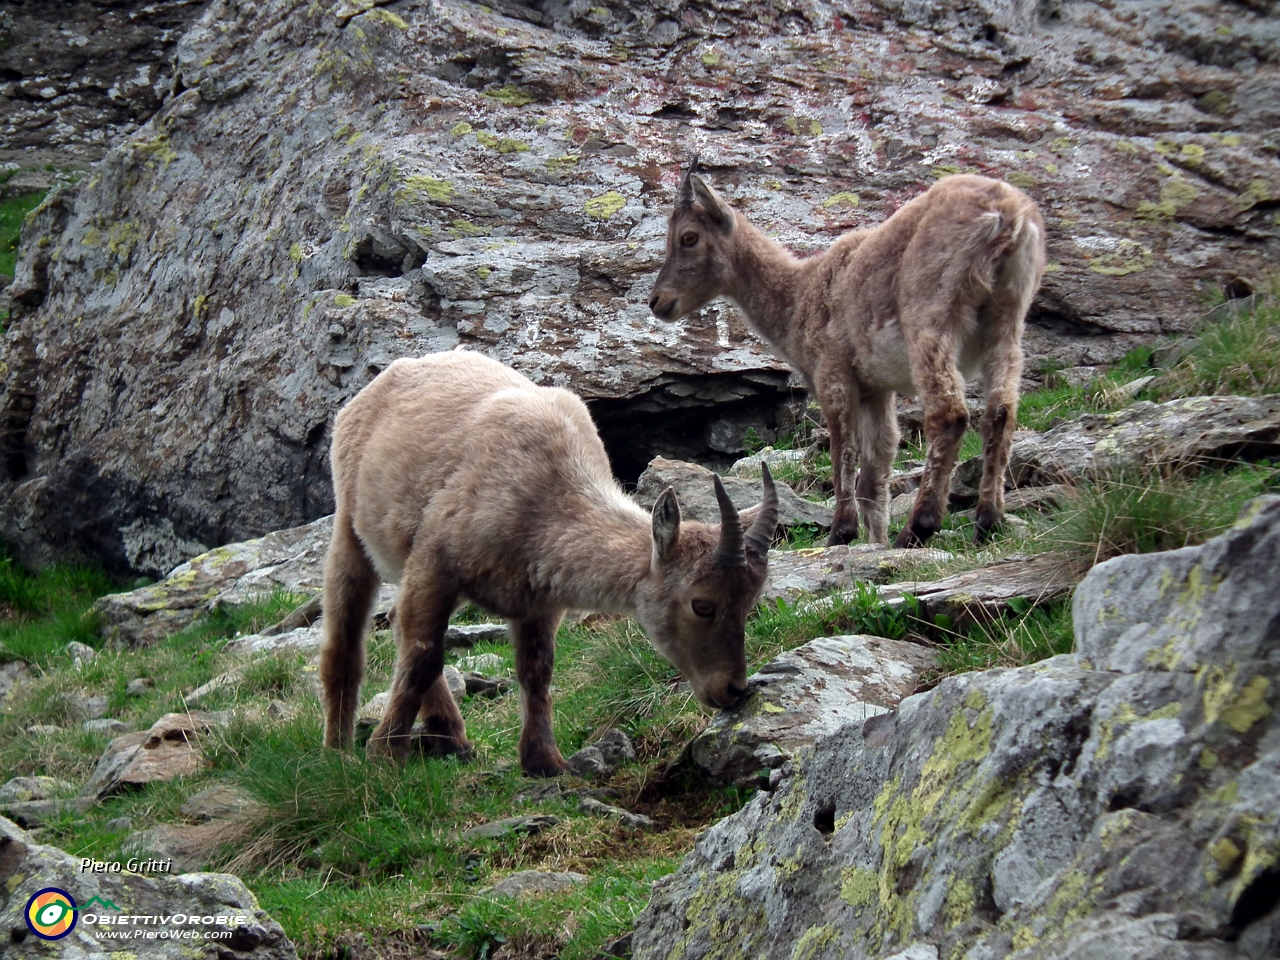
x=51, y=913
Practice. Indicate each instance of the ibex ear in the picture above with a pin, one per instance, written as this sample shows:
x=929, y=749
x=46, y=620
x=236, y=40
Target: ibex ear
x=666, y=525
x=717, y=209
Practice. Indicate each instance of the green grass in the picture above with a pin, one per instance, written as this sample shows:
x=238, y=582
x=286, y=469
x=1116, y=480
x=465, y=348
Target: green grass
x=1025, y=635
x=1238, y=355
x=41, y=612
x=1148, y=512
x=12, y=212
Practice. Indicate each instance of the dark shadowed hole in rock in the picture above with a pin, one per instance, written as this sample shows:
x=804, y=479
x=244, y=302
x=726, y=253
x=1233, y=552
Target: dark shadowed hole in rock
x=1123, y=800
x=1258, y=899
x=699, y=419
x=1073, y=737
x=379, y=256
x=17, y=935
x=824, y=819
x=1238, y=289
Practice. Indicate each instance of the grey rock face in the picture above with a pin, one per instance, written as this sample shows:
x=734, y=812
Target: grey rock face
x=694, y=487
x=1189, y=431
x=27, y=866
x=80, y=75
x=440, y=175
x=616, y=747
x=589, y=763
x=219, y=802
x=801, y=696
x=1103, y=804
x=12, y=673
x=986, y=591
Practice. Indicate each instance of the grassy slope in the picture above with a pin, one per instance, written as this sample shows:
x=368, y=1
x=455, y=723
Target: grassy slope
x=12, y=212
x=344, y=848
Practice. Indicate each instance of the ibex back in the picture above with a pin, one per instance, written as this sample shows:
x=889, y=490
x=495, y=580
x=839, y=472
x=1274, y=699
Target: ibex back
x=461, y=479
x=936, y=293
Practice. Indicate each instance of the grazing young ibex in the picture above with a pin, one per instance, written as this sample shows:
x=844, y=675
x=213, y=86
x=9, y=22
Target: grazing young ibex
x=461, y=479
x=936, y=293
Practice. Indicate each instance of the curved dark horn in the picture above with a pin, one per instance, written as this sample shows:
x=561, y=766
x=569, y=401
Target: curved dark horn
x=760, y=536
x=686, y=188
x=730, y=552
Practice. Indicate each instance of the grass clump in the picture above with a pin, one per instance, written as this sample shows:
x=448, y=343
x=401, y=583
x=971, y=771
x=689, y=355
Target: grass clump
x=1025, y=635
x=1238, y=355
x=1148, y=512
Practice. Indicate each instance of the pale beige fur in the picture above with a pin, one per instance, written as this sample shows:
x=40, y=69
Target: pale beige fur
x=936, y=293
x=462, y=480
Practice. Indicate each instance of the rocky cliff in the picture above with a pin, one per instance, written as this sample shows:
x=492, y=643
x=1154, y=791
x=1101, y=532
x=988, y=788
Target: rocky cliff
x=333, y=185
x=76, y=75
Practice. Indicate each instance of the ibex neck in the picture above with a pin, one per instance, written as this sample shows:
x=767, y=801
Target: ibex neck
x=765, y=279
x=599, y=561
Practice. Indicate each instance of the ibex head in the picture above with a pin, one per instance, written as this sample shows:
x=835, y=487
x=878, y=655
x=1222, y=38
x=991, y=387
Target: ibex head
x=703, y=582
x=697, y=266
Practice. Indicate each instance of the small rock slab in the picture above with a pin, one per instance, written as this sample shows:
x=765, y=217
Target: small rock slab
x=694, y=487
x=107, y=725
x=185, y=846
x=802, y=695
x=479, y=685
x=27, y=866
x=598, y=808
x=22, y=789
x=530, y=825
x=167, y=750
x=12, y=674
x=985, y=592
x=36, y=813
x=534, y=882
x=797, y=573
x=304, y=639
x=588, y=763
x=1190, y=431
x=219, y=802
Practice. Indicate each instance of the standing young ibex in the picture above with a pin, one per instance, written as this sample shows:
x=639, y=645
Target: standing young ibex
x=937, y=292
x=460, y=478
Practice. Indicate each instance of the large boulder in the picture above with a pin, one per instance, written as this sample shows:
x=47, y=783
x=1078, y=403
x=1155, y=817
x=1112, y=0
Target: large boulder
x=439, y=173
x=1119, y=802
x=801, y=696
x=244, y=931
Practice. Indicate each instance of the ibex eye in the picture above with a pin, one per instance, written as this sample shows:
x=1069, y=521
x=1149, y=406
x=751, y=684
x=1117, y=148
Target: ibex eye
x=704, y=608
x=689, y=239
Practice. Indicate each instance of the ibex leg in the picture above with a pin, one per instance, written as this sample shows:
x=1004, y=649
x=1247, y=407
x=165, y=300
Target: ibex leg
x=350, y=585
x=535, y=642
x=1002, y=369
x=878, y=426
x=422, y=615
x=946, y=418
x=840, y=407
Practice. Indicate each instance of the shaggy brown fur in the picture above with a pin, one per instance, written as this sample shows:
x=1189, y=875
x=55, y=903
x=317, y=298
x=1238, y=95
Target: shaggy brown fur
x=936, y=293
x=461, y=479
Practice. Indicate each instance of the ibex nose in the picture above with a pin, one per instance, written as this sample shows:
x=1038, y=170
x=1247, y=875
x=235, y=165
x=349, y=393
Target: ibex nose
x=736, y=691
x=653, y=302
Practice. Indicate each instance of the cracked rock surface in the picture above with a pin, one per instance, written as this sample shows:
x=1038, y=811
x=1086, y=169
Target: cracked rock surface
x=331, y=186
x=1118, y=802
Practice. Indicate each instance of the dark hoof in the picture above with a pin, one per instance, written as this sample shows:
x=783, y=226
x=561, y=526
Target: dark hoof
x=436, y=745
x=842, y=534
x=983, y=533
x=543, y=764
x=383, y=748
x=914, y=535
